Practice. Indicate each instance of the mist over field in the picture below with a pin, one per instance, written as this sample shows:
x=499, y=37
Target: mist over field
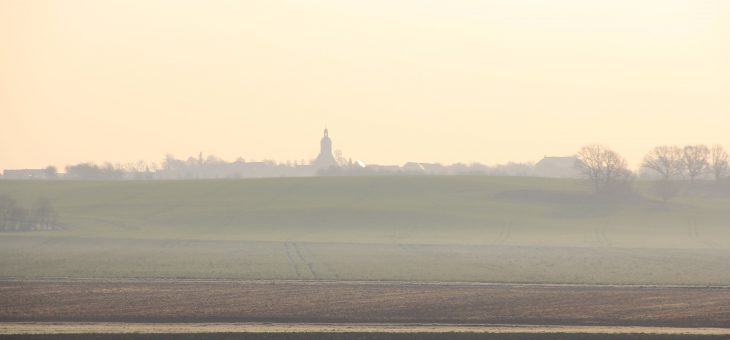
x=366, y=254
x=364, y=170
x=424, y=228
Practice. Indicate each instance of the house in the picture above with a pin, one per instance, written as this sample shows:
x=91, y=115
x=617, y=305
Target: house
x=433, y=168
x=413, y=168
x=559, y=167
x=384, y=169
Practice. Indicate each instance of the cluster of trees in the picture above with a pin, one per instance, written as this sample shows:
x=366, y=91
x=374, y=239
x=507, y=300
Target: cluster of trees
x=42, y=215
x=691, y=162
x=93, y=171
x=609, y=172
x=211, y=166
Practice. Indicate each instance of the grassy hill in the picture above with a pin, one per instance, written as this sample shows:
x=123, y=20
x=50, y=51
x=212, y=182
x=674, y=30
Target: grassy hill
x=420, y=210
x=496, y=229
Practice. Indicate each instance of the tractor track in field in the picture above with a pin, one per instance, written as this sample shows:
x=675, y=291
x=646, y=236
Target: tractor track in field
x=309, y=264
x=292, y=263
x=315, y=260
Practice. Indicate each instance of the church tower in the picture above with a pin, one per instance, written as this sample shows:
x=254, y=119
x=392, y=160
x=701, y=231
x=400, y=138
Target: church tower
x=325, y=158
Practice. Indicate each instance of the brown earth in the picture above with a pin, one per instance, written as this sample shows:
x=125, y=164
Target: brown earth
x=231, y=301
x=356, y=336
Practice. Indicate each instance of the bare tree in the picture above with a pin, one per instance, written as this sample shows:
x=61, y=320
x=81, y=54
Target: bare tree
x=19, y=219
x=695, y=160
x=51, y=172
x=7, y=205
x=340, y=159
x=665, y=160
x=719, y=161
x=44, y=214
x=603, y=166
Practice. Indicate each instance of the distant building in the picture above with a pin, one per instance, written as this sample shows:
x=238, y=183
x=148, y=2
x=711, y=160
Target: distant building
x=559, y=167
x=325, y=159
x=433, y=168
x=413, y=167
x=25, y=174
x=384, y=169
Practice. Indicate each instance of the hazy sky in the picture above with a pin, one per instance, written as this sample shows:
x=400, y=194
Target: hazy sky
x=394, y=81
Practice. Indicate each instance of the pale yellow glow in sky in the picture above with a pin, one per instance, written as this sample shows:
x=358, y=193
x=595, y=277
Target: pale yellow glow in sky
x=395, y=81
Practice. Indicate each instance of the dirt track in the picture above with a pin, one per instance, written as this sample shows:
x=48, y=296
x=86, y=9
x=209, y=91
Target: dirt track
x=182, y=301
x=357, y=336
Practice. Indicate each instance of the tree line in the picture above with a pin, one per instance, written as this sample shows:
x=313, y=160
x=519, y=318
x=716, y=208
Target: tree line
x=212, y=166
x=609, y=173
x=41, y=215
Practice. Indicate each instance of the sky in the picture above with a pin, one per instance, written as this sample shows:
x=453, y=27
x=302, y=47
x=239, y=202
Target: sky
x=394, y=81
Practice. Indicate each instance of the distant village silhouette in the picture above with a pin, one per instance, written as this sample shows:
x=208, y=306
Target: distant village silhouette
x=326, y=163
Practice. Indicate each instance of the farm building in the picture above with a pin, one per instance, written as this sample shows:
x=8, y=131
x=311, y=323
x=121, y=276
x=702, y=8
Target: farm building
x=559, y=167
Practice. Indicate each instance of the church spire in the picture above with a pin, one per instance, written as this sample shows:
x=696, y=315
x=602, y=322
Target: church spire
x=325, y=159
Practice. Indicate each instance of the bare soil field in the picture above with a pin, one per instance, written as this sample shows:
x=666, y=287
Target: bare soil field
x=343, y=302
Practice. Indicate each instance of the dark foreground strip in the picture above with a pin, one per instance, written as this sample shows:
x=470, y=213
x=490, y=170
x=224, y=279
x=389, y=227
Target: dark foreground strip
x=357, y=336
x=360, y=329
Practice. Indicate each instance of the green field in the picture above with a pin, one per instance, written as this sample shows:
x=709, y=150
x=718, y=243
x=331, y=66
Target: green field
x=497, y=229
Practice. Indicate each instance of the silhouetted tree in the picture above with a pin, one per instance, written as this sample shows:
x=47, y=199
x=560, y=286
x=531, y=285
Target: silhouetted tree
x=604, y=167
x=340, y=159
x=111, y=171
x=171, y=163
x=19, y=219
x=7, y=205
x=93, y=171
x=83, y=171
x=695, y=160
x=15, y=218
x=665, y=160
x=718, y=162
x=51, y=172
x=44, y=215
